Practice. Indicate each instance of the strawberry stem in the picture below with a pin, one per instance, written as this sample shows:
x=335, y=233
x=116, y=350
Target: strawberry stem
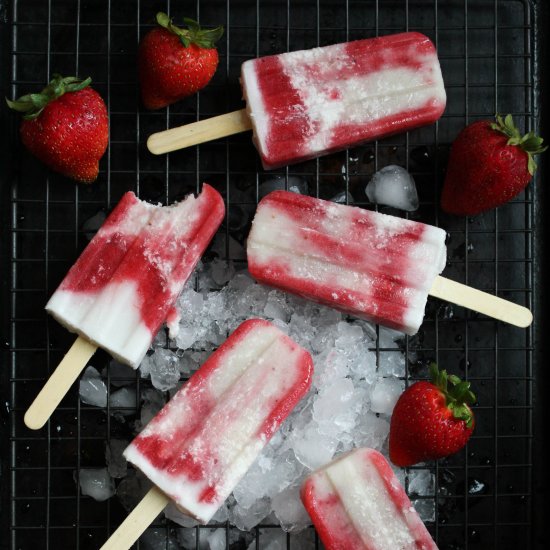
x=458, y=395
x=530, y=142
x=194, y=34
x=33, y=104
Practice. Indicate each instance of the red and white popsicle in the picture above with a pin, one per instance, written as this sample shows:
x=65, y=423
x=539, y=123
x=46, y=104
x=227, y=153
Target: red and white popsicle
x=371, y=265
x=204, y=440
x=125, y=283
x=309, y=103
x=357, y=502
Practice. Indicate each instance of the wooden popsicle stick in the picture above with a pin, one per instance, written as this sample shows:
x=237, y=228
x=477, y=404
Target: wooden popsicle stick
x=151, y=505
x=199, y=132
x=59, y=383
x=480, y=301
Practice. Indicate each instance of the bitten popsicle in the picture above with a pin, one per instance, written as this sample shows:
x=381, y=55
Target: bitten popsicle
x=368, y=264
x=309, y=103
x=357, y=502
x=204, y=440
x=125, y=283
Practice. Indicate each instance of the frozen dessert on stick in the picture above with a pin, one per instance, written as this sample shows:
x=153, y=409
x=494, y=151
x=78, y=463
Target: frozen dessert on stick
x=204, y=440
x=125, y=284
x=368, y=264
x=357, y=502
x=309, y=103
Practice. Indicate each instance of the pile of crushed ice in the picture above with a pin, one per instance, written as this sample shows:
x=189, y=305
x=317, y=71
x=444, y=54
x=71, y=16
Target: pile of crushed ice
x=355, y=387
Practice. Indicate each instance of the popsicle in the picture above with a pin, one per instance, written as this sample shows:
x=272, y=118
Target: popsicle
x=309, y=103
x=357, y=502
x=365, y=263
x=204, y=440
x=125, y=283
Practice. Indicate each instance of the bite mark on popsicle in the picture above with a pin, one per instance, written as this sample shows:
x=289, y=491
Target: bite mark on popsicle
x=125, y=283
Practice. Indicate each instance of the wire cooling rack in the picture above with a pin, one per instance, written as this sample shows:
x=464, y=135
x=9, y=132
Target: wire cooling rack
x=488, y=51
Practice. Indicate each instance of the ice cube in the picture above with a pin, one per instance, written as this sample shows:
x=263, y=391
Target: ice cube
x=336, y=407
x=187, y=336
x=393, y=186
x=221, y=515
x=349, y=335
x=172, y=512
x=96, y=483
x=392, y=363
x=132, y=489
x=425, y=508
x=266, y=477
x=118, y=374
x=116, y=463
x=152, y=402
x=385, y=393
x=247, y=518
x=270, y=539
x=123, y=401
x=163, y=368
x=372, y=431
x=187, y=538
x=216, y=539
x=344, y=197
x=92, y=389
x=389, y=338
x=421, y=483
x=277, y=307
x=289, y=510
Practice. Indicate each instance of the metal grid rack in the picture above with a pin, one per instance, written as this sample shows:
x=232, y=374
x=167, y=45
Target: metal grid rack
x=484, y=495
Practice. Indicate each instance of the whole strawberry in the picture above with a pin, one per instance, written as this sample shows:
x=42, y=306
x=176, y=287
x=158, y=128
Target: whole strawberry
x=431, y=420
x=175, y=63
x=490, y=163
x=65, y=126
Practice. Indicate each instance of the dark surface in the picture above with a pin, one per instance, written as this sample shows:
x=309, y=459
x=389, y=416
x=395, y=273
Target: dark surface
x=489, y=495
x=541, y=479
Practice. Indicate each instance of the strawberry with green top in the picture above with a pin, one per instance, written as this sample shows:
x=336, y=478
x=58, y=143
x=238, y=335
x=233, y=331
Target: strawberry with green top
x=490, y=163
x=175, y=63
x=65, y=126
x=431, y=420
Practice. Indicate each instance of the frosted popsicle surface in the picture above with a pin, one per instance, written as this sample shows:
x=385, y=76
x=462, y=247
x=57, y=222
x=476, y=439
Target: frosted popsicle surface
x=309, y=103
x=126, y=281
x=357, y=502
x=371, y=265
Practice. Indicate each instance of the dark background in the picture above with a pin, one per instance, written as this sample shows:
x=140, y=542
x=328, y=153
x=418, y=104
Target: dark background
x=492, y=55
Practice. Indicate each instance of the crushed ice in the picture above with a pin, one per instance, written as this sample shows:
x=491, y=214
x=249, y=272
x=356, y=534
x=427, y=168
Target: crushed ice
x=393, y=186
x=355, y=387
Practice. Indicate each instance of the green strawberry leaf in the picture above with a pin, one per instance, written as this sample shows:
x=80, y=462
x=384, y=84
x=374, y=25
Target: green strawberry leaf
x=33, y=104
x=194, y=34
x=458, y=397
x=462, y=412
x=530, y=142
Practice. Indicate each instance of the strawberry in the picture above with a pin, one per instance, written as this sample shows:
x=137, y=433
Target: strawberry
x=65, y=126
x=490, y=163
x=431, y=420
x=175, y=63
